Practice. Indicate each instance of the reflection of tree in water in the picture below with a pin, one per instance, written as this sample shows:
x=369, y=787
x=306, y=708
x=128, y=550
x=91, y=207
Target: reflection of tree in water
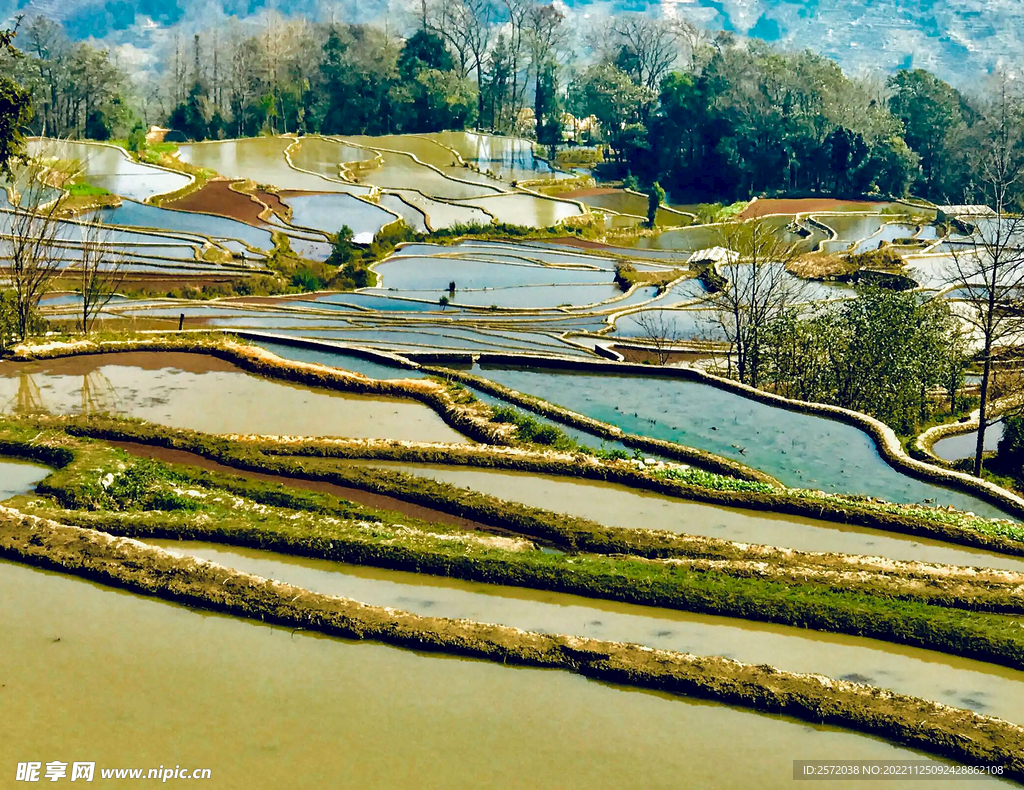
x=98, y=394
x=29, y=399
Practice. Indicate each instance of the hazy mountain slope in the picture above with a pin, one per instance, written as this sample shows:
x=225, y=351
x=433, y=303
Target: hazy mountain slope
x=958, y=41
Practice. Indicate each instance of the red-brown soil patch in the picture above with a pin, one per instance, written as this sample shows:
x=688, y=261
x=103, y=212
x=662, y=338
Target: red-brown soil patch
x=287, y=193
x=146, y=360
x=760, y=208
x=217, y=197
x=367, y=498
x=274, y=201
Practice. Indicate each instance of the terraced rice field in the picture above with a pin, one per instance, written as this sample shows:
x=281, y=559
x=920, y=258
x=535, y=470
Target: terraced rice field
x=455, y=459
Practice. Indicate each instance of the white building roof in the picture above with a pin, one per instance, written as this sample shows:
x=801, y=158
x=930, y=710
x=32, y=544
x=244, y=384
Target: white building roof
x=966, y=211
x=714, y=255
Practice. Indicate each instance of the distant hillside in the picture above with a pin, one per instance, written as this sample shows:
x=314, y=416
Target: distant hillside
x=957, y=41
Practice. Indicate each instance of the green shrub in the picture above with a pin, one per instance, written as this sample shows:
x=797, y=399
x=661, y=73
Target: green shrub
x=531, y=430
x=306, y=279
x=141, y=485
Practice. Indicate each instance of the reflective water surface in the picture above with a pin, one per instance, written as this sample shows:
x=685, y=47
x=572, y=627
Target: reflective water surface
x=206, y=394
x=962, y=683
x=98, y=675
x=619, y=506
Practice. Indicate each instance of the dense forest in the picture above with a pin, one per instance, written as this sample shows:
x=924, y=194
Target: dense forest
x=709, y=117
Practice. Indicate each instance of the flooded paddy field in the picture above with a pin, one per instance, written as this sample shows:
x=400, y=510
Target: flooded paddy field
x=801, y=450
x=132, y=214
x=102, y=676
x=964, y=445
x=95, y=666
x=630, y=203
x=327, y=214
x=963, y=683
x=327, y=157
x=619, y=506
x=402, y=171
x=529, y=210
x=439, y=215
x=206, y=394
x=263, y=160
x=110, y=168
x=508, y=158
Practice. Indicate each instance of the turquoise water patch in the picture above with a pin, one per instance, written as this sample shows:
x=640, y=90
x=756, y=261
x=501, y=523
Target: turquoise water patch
x=800, y=450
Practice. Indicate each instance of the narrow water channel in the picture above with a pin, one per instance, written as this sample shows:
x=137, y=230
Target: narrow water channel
x=962, y=683
x=619, y=506
x=205, y=393
x=93, y=674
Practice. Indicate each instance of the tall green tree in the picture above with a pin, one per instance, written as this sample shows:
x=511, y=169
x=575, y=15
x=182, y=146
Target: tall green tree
x=619, y=104
x=935, y=118
x=881, y=353
x=655, y=197
x=548, y=109
x=15, y=106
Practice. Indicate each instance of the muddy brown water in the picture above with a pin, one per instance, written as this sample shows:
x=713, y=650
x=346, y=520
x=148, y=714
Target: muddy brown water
x=204, y=393
x=357, y=495
x=962, y=683
x=619, y=506
x=93, y=674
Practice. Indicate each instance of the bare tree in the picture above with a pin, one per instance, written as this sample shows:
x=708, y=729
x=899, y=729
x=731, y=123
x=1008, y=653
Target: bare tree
x=988, y=269
x=101, y=273
x=659, y=331
x=759, y=291
x=646, y=47
x=517, y=12
x=466, y=26
x=29, y=248
x=696, y=43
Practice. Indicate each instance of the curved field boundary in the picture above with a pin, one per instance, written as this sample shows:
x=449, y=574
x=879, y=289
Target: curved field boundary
x=661, y=207
x=473, y=419
x=161, y=195
x=172, y=234
x=925, y=441
x=938, y=729
x=470, y=419
x=583, y=207
x=288, y=160
x=957, y=587
x=284, y=457
x=362, y=165
x=453, y=201
x=888, y=444
x=604, y=430
x=421, y=163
